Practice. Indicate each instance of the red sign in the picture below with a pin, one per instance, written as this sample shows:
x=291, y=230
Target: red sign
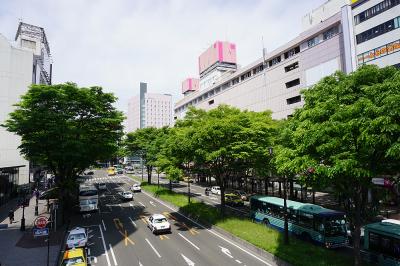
x=41, y=222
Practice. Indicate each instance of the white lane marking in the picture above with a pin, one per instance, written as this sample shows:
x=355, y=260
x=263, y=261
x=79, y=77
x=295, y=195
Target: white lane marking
x=142, y=204
x=104, y=246
x=88, y=252
x=113, y=255
x=104, y=226
x=188, y=261
x=238, y=261
x=120, y=206
x=226, y=251
x=140, y=264
x=189, y=241
x=155, y=251
x=95, y=259
x=210, y=231
x=152, y=203
x=134, y=224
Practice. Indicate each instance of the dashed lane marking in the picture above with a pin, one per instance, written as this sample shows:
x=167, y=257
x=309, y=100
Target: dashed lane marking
x=113, y=255
x=196, y=247
x=104, y=226
x=142, y=204
x=104, y=246
x=134, y=224
x=155, y=250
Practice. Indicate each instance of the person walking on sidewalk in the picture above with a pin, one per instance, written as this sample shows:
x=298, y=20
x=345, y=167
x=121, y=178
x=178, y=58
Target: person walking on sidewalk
x=11, y=216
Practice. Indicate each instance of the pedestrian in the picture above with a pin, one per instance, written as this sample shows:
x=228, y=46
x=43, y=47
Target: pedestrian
x=11, y=216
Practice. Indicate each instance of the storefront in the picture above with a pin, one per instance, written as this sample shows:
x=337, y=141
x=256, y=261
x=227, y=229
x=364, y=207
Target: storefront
x=8, y=183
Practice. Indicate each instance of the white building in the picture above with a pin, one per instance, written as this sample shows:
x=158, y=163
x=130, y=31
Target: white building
x=22, y=63
x=149, y=110
x=329, y=42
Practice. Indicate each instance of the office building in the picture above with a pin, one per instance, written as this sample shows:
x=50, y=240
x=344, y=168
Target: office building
x=377, y=32
x=149, y=110
x=22, y=63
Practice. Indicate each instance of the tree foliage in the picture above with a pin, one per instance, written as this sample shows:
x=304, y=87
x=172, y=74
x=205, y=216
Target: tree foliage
x=348, y=132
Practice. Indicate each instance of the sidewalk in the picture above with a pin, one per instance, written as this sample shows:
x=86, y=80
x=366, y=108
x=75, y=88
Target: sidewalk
x=21, y=248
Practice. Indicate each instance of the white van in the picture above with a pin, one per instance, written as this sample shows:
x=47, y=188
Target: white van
x=216, y=190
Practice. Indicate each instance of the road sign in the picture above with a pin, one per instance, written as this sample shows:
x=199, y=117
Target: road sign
x=40, y=232
x=41, y=222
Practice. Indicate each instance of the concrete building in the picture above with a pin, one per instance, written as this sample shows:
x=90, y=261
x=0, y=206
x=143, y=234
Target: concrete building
x=377, y=32
x=25, y=62
x=328, y=43
x=149, y=110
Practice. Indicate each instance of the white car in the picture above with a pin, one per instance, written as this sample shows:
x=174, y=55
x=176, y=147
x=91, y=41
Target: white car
x=136, y=188
x=102, y=186
x=216, y=190
x=126, y=195
x=158, y=223
x=77, y=238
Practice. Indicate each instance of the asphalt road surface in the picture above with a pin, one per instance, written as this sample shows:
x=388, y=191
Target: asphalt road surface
x=118, y=234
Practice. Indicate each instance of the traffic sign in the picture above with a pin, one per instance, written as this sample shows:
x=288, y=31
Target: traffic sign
x=40, y=232
x=41, y=222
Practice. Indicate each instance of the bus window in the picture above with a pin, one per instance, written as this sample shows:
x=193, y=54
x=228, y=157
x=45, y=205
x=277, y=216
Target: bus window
x=306, y=219
x=335, y=226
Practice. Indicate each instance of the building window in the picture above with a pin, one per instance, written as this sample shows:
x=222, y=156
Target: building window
x=292, y=52
x=274, y=61
x=375, y=10
x=245, y=75
x=28, y=44
x=211, y=102
x=312, y=42
x=293, y=100
x=330, y=33
x=258, y=69
x=235, y=81
x=225, y=86
x=292, y=83
x=378, y=30
x=291, y=67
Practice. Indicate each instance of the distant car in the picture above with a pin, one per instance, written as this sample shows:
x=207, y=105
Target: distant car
x=158, y=223
x=74, y=257
x=136, y=188
x=77, y=238
x=126, y=195
x=102, y=186
x=188, y=179
x=216, y=190
x=120, y=171
x=233, y=200
x=243, y=195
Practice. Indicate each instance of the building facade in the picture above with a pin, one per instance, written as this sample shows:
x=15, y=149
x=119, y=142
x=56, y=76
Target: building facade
x=25, y=62
x=149, y=110
x=329, y=42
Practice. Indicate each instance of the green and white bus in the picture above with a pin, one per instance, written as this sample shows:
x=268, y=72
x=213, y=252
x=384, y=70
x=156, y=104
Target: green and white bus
x=308, y=221
x=382, y=243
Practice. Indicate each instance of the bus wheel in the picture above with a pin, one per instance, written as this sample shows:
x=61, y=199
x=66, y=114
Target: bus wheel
x=306, y=237
x=266, y=221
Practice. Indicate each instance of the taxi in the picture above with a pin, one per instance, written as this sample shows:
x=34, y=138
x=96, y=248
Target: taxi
x=74, y=257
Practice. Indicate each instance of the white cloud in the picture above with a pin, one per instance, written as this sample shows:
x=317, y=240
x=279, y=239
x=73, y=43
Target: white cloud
x=117, y=44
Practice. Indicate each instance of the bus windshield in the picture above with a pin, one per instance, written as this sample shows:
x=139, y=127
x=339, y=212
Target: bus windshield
x=86, y=193
x=335, y=226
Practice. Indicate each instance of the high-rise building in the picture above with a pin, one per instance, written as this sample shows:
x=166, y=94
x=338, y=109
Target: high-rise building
x=22, y=63
x=149, y=110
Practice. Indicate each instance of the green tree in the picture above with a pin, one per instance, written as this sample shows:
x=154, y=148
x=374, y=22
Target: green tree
x=66, y=128
x=348, y=132
x=146, y=142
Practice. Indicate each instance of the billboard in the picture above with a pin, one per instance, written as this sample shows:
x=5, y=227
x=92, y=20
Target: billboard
x=190, y=84
x=222, y=52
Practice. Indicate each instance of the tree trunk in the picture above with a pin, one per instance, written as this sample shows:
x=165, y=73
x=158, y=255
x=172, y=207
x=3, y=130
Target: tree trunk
x=266, y=186
x=149, y=170
x=222, y=199
x=280, y=189
x=360, y=203
x=170, y=184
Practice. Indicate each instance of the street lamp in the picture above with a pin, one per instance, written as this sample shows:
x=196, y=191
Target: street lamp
x=285, y=214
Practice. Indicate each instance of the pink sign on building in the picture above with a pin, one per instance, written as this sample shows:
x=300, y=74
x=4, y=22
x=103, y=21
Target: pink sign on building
x=190, y=84
x=222, y=52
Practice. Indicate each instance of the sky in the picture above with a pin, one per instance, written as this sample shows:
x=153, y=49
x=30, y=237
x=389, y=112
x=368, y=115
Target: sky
x=117, y=44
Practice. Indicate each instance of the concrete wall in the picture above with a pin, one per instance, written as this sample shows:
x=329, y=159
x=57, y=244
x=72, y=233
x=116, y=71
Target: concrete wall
x=15, y=76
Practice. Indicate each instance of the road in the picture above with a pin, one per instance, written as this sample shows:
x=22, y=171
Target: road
x=197, y=191
x=119, y=234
